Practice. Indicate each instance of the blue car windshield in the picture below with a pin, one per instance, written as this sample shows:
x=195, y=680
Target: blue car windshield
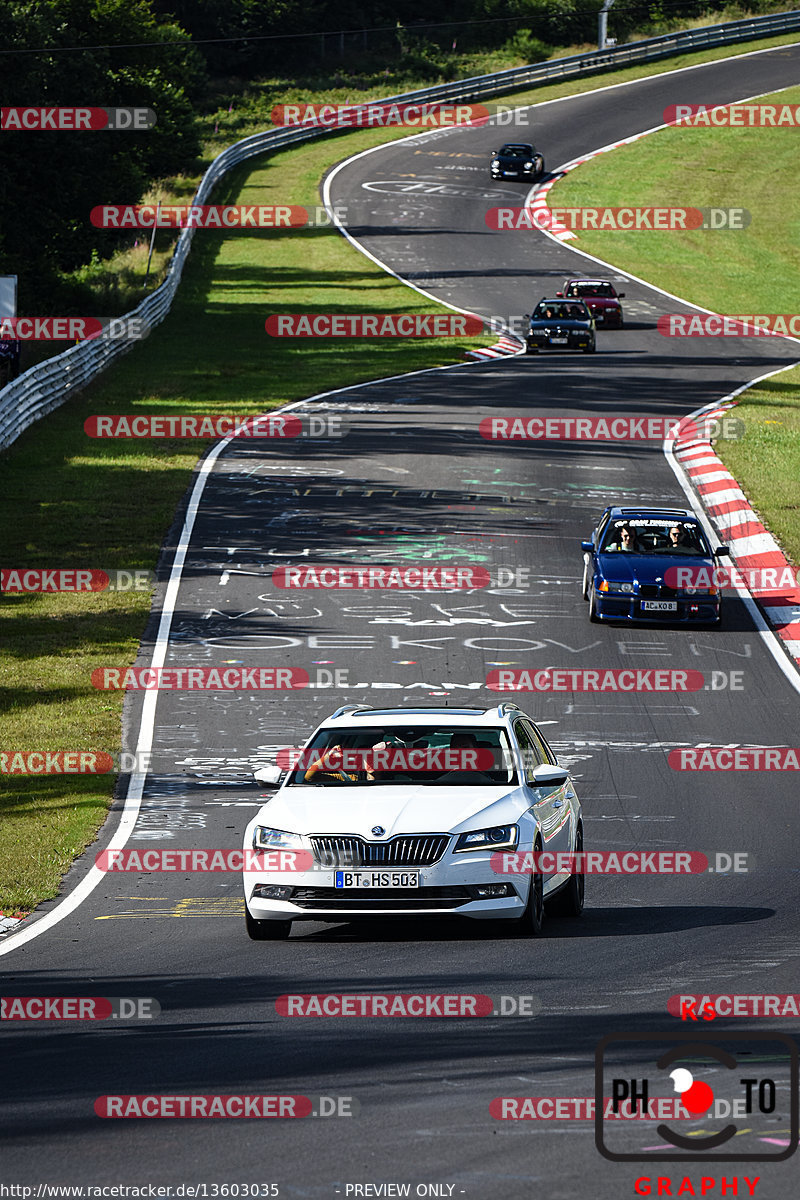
x=649, y=535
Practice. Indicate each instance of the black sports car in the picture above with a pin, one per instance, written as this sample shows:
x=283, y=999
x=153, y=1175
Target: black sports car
x=516, y=160
x=561, y=325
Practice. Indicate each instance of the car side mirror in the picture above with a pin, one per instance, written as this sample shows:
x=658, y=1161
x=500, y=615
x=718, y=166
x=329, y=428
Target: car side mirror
x=587, y=547
x=723, y=552
x=528, y=315
x=547, y=775
x=270, y=775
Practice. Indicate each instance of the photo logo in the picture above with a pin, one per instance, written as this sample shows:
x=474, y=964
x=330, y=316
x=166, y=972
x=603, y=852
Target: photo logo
x=751, y=1077
x=625, y=220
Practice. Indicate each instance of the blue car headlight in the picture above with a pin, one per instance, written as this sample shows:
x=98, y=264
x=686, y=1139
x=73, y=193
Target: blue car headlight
x=609, y=585
x=498, y=837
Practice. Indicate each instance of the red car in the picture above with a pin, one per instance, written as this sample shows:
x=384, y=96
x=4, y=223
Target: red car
x=601, y=298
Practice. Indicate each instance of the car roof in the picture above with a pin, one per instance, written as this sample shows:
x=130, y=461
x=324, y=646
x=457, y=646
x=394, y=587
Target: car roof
x=618, y=511
x=516, y=146
x=577, y=280
x=363, y=713
x=559, y=300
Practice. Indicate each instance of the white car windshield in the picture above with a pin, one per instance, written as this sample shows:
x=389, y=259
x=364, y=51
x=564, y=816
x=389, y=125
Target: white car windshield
x=443, y=755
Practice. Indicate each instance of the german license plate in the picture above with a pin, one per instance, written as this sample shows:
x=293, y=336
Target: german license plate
x=377, y=879
x=560, y=341
x=659, y=606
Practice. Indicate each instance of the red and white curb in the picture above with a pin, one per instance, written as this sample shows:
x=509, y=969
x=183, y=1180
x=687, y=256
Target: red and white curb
x=8, y=924
x=503, y=347
x=739, y=527
x=537, y=204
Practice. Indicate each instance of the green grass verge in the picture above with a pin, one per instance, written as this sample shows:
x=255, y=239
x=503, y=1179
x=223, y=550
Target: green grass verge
x=752, y=270
x=85, y=503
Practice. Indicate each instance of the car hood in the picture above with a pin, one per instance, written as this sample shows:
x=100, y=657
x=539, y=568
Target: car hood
x=601, y=301
x=399, y=808
x=623, y=567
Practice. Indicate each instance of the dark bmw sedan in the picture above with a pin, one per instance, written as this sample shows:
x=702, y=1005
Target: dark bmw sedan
x=561, y=325
x=516, y=160
x=635, y=559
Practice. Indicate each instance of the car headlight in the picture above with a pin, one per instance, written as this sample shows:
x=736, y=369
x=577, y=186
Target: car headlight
x=265, y=838
x=528, y=166
x=691, y=591
x=609, y=585
x=499, y=837
x=495, y=162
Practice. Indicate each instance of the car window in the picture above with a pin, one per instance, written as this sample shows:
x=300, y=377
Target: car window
x=517, y=151
x=655, y=535
x=532, y=752
x=592, y=289
x=398, y=755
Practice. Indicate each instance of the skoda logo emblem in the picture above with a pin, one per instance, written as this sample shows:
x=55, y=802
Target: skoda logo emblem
x=378, y=830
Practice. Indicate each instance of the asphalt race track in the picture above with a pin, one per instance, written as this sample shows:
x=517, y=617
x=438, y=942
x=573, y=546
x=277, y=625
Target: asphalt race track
x=414, y=481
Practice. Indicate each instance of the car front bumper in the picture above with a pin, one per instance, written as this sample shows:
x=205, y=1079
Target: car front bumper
x=574, y=342
x=448, y=888
x=628, y=608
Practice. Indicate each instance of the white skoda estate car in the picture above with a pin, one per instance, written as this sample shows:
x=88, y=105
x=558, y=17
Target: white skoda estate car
x=414, y=812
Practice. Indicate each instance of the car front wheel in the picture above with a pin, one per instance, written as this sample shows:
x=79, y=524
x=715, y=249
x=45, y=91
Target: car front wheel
x=532, y=919
x=586, y=580
x=593, y=617
x=266, y=931
x=568, y=902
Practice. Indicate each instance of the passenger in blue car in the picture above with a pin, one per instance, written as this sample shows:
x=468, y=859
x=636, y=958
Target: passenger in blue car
x=626, y=541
